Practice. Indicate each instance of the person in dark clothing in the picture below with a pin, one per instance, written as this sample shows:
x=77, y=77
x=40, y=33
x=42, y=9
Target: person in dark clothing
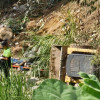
x=5, y=60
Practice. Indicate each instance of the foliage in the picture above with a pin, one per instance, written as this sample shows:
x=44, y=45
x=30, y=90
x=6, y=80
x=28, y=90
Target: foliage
x=96, y=59
x=70, y=25
x=44, y=44
x=15, y=24
x=95, y=41
x=14, y=87
x=53, y=89
x=96, y=63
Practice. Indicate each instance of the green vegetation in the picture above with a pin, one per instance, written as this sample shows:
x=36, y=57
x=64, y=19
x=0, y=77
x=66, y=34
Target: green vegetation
x=69, y=28
x=17, y=25
x=44, y=44
x=52, y=89
x=96, y=62
x=96, y=59
x=15, y=87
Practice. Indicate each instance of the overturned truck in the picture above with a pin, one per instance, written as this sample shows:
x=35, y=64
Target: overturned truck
x=66, y=62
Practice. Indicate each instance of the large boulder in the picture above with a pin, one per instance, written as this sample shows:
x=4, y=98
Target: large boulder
x=21, y=8
x=5, y=32
x=31, y=54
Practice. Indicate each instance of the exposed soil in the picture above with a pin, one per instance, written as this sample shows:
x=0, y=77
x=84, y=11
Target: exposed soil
x=54, y=20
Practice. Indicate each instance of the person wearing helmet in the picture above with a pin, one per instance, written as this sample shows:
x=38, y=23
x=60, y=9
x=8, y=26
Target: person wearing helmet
x=5, y=62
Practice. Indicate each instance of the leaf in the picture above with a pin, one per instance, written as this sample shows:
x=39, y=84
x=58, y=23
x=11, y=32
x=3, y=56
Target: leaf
x=92, y=93
x=93, y=77
x=83, y=75
x=53, y=89
x=93, y=84
x=81, y=84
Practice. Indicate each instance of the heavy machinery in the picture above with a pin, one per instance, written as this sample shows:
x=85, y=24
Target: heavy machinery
x=66, y=62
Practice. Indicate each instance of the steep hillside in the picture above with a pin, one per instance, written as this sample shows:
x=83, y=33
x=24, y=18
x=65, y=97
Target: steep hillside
x=77, y=18
x=59, y=19
x=35, y=27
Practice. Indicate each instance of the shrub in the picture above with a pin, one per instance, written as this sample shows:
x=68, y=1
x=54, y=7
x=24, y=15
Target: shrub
x=15, y=25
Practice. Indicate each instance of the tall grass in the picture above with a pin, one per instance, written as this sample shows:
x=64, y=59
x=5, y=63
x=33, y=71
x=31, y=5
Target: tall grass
x=44, y=43
x=14, y=87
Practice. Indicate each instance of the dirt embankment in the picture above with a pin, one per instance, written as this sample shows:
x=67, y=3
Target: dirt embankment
x=86, y=18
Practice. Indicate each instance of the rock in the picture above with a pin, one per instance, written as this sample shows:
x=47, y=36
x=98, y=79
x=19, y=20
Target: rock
x=28, y=74
x=2, y=25
x=26, y=54
x=6, y=32
x=32, y=80
x=39, y=82
x=17, y=49
x=15, y=8
x=16, y=43
x=34, y=87
x=30, y=55
x=35, y=49
x=31, y=60
x=31, y=52
x=23, y=8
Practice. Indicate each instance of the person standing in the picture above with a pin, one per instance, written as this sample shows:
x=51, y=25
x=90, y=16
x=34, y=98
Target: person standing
x=5, y=60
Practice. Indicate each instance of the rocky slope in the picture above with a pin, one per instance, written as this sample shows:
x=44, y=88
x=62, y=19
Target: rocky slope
x=82, y=18
x=87, y=19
